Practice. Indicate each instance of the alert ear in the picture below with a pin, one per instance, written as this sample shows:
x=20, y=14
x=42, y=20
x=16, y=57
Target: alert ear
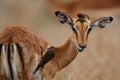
x=102, y=22
x=64, y=17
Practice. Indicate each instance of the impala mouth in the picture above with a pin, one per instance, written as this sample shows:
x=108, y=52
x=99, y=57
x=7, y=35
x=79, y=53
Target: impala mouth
x=79, y=49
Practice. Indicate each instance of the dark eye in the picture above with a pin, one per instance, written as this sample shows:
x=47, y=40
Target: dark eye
x=74, y=30
x=89, y=30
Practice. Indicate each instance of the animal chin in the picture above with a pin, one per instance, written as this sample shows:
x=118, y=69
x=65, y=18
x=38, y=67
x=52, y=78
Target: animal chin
x=79, y=49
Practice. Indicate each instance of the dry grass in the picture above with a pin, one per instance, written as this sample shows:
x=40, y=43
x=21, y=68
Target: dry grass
x=101, y=59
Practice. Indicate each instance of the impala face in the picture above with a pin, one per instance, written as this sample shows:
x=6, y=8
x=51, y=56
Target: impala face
x=81, y=27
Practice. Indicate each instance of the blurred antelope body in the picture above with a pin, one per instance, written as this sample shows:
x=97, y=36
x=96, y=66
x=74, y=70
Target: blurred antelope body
x=21, y=50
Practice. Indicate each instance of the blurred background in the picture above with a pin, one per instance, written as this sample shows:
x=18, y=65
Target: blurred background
x=101, y=59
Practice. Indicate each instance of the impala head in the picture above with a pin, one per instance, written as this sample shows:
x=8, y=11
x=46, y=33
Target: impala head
x=81, y=27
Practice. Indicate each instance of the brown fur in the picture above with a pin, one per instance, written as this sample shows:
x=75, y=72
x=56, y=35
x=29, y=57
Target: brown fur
x=65, y=53
x=31, y=44
x=30, y=48
x=61, y=59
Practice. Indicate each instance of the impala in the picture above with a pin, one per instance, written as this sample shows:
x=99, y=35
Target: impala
x=25, y=56
x=76, y=43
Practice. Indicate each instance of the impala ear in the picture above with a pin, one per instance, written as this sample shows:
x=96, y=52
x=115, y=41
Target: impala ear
x=102, y=22
x=64, y=17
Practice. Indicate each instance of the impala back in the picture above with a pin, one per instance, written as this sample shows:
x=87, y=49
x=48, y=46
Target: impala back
x=20, y=51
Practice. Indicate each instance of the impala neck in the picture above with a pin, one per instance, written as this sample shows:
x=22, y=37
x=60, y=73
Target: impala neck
x=66, y=53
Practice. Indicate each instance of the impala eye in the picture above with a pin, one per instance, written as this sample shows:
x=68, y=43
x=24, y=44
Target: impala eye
x=89, y=30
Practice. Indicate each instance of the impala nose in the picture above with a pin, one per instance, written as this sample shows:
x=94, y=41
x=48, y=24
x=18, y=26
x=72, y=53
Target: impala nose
x=82, y=46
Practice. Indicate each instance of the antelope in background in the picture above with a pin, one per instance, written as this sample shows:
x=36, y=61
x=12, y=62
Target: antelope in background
x=23, y=53
x=73, y=6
